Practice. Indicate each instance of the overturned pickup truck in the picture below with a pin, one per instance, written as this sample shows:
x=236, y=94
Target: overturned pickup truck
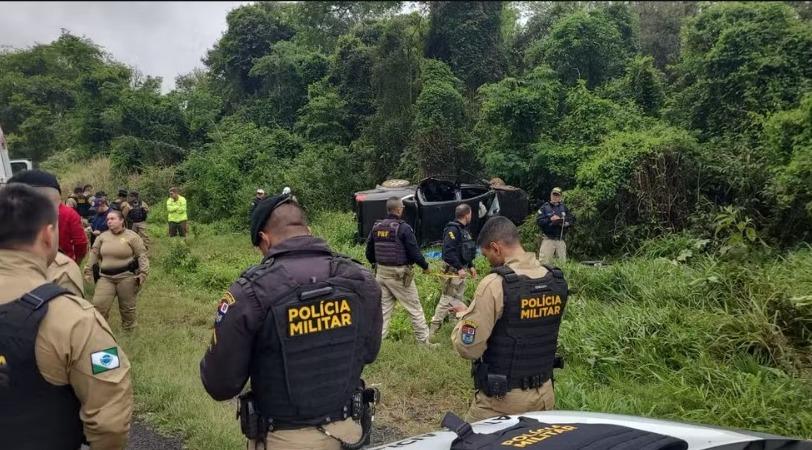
x=430, y=205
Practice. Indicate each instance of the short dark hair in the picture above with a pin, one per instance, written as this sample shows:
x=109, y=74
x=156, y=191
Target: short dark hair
x=88, y=186
x=498, y=229
x=393, y=203
x=116, y=212
x=78, y=190
x=24, y=211
x=462, y=210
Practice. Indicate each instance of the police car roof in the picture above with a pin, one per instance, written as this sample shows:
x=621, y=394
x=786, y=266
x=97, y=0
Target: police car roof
x=697, y=436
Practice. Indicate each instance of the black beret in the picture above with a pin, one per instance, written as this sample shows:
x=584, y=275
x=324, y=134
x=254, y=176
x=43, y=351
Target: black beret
x=36, y=178
x=262, y=212
x=122, y=192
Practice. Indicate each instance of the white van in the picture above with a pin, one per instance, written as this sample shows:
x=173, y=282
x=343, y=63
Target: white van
x=9, y=167
x=5, y=162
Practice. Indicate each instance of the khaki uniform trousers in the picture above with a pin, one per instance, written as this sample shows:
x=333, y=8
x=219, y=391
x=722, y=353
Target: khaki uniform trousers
x=126, y=289
x=311, y=438
x=397, y=283
x=552, y=248
x=516, y=401
x=141, y=229
x=453, y=295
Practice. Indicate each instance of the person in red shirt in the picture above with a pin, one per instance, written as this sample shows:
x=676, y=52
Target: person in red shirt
x=72, y=238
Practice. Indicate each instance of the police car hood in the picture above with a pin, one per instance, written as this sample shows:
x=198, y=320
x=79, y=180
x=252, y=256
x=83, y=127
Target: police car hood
x=697, y=436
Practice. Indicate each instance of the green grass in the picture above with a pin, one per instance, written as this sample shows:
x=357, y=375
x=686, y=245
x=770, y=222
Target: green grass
x=711, y=342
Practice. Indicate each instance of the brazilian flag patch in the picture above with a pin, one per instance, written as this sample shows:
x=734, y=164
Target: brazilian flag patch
x=104, y=360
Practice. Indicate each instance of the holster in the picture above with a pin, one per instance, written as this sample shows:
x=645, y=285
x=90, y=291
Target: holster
x=491, y=384
x=252, y=424
x=408, y=276
x=363, y=411
x=96, y=272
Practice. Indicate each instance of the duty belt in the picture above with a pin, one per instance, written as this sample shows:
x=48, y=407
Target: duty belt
x=343, y=414
x=131, y=267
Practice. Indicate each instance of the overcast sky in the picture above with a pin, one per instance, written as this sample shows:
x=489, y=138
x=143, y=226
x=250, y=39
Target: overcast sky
x=163, y=39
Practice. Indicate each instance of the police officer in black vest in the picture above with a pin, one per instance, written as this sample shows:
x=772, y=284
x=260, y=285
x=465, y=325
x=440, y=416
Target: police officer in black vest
x=392, y=248
x=301, y=325
x=459, y=251
x=510, y=330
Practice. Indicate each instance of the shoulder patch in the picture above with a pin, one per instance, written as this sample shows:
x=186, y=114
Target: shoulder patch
x=104, y=360
x=468, y=332
x=451, y=235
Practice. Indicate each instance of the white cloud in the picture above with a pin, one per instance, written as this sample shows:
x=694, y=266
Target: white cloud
x=163, y=39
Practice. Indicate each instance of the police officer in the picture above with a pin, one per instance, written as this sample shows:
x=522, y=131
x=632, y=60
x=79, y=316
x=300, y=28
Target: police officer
x=63, y=377
x=123, y=266
x=553, y=220
x=459, y=251
x=301, y=325
x=121, y=204
x=63, y=271
x=392, y=248
x=138, y=217
x=510, y=330
x=260, y=196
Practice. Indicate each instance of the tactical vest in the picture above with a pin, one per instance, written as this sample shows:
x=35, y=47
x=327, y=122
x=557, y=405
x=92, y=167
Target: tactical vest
x=530, y=433
x=83, y=206
x=34, y=414
x=467, y=246
x=389, y=249
x=523, y=342
x=308, y=356
x=116, y=205
x=137, y=213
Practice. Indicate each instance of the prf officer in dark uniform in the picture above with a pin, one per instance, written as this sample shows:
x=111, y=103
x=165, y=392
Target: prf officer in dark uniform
x=301, y=325
x=510, y=330
x=459, y=251
x=392, y=248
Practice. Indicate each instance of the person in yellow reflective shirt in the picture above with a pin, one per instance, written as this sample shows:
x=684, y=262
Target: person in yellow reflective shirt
x=176, y=214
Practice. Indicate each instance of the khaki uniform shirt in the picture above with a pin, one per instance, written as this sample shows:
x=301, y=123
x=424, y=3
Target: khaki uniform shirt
x=69, y=334
x=66, y=273
x=114, y=251
x=486, y=307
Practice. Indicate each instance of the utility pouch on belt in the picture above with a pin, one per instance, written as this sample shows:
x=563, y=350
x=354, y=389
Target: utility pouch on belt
x=252, y=424
x=531, y=434
x=96, y=273
x=492, y=384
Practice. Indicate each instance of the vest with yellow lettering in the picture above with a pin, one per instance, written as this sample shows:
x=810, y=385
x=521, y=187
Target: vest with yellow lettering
x=308, y=356
x=523, y=342
x=389, y=249
x=34, y=414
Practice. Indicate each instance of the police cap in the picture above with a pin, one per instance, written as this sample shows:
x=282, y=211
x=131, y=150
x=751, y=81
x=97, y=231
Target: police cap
x=36, y=178
x=263, y=212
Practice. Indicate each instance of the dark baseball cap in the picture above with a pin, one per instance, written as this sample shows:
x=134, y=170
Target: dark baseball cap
x=36, y=178
x=263, y=212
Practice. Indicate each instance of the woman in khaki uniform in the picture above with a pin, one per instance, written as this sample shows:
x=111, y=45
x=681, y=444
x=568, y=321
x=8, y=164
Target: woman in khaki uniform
x=123, y=267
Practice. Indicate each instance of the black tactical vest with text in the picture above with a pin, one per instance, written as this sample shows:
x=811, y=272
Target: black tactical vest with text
x=389, y=249
x=308, y=357
x=34, y=414
x=523, y=343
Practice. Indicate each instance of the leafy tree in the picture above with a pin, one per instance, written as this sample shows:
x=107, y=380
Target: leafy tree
x=284, y=76
x=324, y=118
x=351, y=73
x=660, y=24
x=467, y=36
x=439, y=123
x=740, y=62
x=253, y=30
x=643, y=84
x=582, y=45
x=515, y=114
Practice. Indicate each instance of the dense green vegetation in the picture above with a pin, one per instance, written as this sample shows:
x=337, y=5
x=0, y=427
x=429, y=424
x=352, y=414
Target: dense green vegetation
x=656, y=116
x=681, y=132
